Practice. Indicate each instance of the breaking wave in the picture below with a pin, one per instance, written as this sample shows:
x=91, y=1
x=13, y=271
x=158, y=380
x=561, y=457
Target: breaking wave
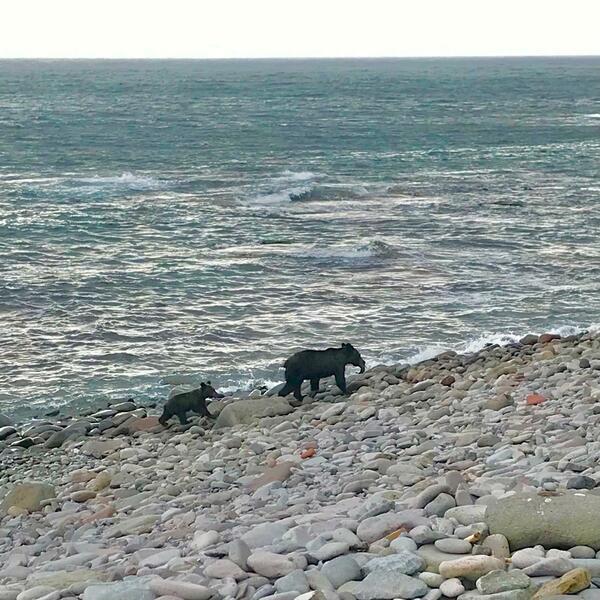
x=476, y=344
x=126, y=180
x=370, y=249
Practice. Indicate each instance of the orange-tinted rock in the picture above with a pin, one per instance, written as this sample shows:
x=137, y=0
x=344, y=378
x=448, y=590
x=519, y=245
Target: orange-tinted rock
x=279, y=472
x=395, y=534
x=533, y=399
x=308, y=453
x=104, y=513
x=143, y=424
x=572, y=582
x=548, y=337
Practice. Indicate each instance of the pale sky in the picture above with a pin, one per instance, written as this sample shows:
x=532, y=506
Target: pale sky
x=296, y=28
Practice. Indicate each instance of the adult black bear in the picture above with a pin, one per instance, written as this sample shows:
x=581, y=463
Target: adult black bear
x=315, y=364
x=194, y=400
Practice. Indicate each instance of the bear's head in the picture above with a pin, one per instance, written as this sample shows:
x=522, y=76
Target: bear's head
x=353, y=357
x=208, y=391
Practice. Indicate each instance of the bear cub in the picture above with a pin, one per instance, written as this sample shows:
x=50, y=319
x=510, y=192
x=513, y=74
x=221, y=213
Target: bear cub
x=315, y=364
x=194, y=401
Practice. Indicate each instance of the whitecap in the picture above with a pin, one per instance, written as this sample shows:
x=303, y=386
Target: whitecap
x=295, y=176
x=126, y=180
x=368, y=249
x=425, y=353
x=244, y=386
x=473, y=345
x=284, y=196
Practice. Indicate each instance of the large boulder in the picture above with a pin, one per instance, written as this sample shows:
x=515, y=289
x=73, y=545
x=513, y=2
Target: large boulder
x=136, y=424
x=558, y=521
x=58, y=438
x=133, y=588
x=28, y=496
x=244, y=412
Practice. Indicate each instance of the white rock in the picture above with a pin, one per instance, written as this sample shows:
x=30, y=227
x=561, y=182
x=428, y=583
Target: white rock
x=204, y=539
x=180, y=589
x=270, y=564
x=160, y=558
x=37, y=592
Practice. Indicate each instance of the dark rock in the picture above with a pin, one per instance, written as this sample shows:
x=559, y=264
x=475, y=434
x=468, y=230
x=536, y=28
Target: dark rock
x=6, y=431
x=26, y=442
x=581, y=482
x=58, y=438
x=529, y=340
x=448, y=380
x=584, y=363
x=575, y=467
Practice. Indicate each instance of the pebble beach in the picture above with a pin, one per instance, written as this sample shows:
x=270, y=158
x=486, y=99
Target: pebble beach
x=464, y=476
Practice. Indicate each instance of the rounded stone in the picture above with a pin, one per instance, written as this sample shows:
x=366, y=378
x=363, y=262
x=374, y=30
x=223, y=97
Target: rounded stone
x=402, y=562
x=82, y=495
x=582, y=552
x=451, y=588
x=470, y=567
x=453, y=546
x=403, y=543
x=340, y=570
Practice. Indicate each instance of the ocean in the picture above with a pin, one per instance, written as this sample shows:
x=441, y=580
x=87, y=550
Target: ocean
x=171, y=221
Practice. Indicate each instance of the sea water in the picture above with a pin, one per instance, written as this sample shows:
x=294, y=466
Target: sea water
x=165, y=221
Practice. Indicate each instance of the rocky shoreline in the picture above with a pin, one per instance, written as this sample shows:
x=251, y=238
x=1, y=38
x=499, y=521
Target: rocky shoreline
x=464, y=476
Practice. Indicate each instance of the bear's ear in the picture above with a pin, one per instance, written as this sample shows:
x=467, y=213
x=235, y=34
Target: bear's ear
x=344, y=345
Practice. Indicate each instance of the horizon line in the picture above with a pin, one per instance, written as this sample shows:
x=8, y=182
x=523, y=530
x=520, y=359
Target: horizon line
x=283, y=58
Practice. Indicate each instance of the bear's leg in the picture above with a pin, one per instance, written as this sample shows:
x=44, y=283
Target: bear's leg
x=340, y=380
x=166, y=415
x=286, y=389
x=314, y=385
x=201, y=409
x=298, y=391
x=182, y=417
